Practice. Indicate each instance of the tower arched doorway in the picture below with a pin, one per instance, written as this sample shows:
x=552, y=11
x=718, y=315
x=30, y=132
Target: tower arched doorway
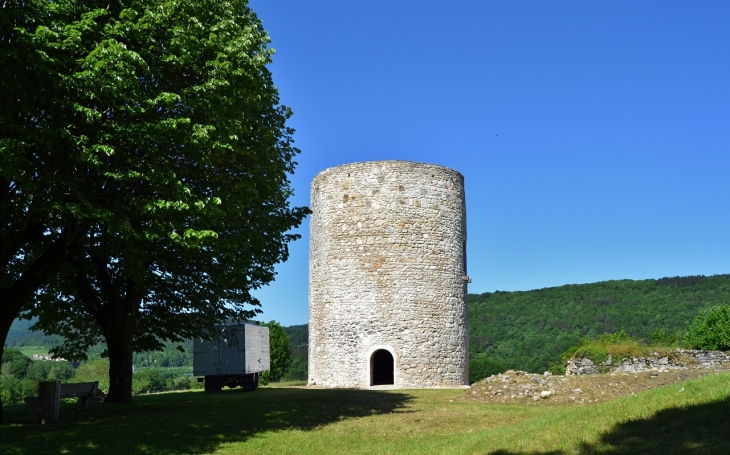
x=382, y=368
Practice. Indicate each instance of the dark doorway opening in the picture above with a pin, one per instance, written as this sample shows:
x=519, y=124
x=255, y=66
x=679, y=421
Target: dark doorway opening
x=381, y=366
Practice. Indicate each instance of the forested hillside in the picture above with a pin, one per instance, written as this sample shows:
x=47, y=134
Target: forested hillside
x=529, y=330
x=298, y=337
x=20, y=335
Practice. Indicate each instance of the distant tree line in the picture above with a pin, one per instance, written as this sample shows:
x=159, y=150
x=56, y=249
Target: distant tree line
x=299, y=339
x=682, y=281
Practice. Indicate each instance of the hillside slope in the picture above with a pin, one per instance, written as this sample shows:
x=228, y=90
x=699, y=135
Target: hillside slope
x=21, y=335
x=529, y=330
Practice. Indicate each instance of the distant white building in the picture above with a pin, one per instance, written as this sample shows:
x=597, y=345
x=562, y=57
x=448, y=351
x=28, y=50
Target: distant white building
x=46, y=357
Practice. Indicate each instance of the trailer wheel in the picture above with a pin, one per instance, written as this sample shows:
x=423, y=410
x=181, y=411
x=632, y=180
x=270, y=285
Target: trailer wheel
x=212, y=384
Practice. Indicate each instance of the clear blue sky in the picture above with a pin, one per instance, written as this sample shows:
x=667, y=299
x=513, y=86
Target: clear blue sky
x=594, y=137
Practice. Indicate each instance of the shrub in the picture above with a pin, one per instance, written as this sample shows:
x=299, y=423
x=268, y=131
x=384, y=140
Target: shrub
x=710, y=329
x=480, y=368
x=661, y=338
x=148, y=380
x=195, y=384
x=280, y=353
x=657, y=336
x=618, y=345
x=14, y=390
x=15, y=363
x=557, y=368
x=181, y=383
x=96, y=370
x=47, y=370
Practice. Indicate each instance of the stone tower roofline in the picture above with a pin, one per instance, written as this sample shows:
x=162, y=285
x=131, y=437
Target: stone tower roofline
x=339, y=167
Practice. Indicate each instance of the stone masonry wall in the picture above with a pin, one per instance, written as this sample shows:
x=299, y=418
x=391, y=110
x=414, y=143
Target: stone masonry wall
x=387, y=271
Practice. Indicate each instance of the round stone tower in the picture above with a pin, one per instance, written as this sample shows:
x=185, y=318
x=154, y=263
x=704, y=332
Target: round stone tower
x=387, y=276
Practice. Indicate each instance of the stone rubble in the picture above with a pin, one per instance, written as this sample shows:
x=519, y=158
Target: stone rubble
x=520, y=387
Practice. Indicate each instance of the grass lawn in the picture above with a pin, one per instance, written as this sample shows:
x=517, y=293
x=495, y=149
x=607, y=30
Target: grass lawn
x=32, y=350
x=691, y=417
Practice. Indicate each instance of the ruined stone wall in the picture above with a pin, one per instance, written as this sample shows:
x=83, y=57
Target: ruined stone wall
x=387, y=270
x=673, y=360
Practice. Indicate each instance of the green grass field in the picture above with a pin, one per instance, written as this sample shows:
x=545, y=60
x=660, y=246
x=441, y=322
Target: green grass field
x=32, y=350
x=691, y=417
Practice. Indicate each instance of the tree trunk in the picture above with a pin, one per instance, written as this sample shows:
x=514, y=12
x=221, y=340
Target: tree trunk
x=5, y=322
x=119, y=347
x=117, y=317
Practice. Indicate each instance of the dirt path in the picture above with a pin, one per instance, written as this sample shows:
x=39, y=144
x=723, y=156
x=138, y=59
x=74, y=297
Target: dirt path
x=519, y=387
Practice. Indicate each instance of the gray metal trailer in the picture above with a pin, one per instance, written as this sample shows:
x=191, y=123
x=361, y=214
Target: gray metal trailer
x=236, y=356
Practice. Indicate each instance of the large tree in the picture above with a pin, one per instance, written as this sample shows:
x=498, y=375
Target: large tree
x=182, y=176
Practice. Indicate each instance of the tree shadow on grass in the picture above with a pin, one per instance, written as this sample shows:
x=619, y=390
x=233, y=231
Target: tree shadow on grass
x=697, y=430
x=191, y=422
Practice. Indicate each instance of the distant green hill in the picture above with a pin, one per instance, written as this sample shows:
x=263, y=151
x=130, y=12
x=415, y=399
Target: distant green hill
x=20, y=335
x=298, y=334
x=529, y=330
